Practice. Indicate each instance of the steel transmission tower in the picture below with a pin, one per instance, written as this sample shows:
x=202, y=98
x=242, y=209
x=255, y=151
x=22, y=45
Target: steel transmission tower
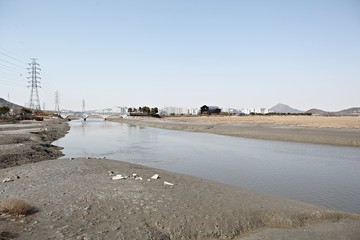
x=57, y=101
x=34, y=84
x=83, y=106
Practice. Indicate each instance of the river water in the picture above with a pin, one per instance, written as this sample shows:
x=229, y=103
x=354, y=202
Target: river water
x=318, y=174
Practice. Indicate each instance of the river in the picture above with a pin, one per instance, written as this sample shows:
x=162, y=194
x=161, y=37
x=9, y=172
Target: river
x=318, y=174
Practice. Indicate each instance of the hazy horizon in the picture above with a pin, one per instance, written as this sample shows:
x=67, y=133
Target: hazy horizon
x=238, y=54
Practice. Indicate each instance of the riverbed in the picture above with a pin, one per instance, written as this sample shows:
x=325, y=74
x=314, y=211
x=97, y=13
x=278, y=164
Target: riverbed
x=318, y=174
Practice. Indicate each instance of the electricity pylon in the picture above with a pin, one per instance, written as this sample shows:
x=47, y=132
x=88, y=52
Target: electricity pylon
x=57, y=101
x=34, y=102
x=83, y=106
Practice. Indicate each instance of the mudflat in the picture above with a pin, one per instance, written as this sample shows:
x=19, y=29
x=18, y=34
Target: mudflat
x=78, y=199
x=342, y=131
x=30, y=141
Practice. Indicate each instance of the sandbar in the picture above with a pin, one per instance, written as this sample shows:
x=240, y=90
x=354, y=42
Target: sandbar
x=340, y=131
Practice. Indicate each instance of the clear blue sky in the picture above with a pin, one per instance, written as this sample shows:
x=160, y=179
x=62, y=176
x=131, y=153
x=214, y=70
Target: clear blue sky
x=184, y=53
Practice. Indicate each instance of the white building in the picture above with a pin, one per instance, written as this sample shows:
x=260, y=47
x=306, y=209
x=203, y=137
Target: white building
x=120, y=110
x=248, y=111
x=193, y=111
x=230, y=110
x=166, y=111
x=245, y=111
x=175, y=110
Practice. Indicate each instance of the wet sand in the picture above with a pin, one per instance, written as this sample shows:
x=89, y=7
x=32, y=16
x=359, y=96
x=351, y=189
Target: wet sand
x=77, y=199
x=341, y=131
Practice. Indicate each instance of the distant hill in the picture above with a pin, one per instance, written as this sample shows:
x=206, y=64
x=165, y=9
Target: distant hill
x=315, y=111
x=350, y=111
x=4, y=103
x=346, y=112
x=282, y=108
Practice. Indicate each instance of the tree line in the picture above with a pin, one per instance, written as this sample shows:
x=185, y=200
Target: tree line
x=145, y=110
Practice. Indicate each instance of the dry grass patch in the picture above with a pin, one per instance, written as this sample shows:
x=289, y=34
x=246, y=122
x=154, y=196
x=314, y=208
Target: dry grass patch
x=300, y=121
x=15, y=206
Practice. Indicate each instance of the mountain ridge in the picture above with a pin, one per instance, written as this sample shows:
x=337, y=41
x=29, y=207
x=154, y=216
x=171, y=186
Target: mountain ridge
x=5, y=103
x=354, y=111
x=283, y=108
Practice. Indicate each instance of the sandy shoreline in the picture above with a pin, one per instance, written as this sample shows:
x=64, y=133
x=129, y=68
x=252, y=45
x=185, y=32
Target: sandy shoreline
x=341, y=131
x=77, y=199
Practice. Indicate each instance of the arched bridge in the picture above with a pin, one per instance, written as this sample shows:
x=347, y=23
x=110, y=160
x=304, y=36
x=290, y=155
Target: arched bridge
x=84, y=116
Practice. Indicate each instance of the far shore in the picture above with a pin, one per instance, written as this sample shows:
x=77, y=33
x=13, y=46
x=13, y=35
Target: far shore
x=341, y=131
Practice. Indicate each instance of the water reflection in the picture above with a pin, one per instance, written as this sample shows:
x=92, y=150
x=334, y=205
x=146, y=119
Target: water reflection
x=320, y=174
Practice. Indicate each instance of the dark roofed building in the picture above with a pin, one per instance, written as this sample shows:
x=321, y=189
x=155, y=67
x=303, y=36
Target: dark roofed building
x=210, y=110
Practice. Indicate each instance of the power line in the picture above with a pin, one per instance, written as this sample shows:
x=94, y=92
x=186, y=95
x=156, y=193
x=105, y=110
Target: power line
x=10, y=68
x=9, y=83
x=17, y=55
x=11, y=73
x=13, y=57
x=10, y=77
x=11, y=63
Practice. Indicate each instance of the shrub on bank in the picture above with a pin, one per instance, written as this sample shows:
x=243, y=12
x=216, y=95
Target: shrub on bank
x=15, y=206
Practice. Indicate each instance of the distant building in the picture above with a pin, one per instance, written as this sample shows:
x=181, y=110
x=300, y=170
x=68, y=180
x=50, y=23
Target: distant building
x=210, y=110
x=193, y=111
x=120, y=110
x=245, y=111
x=166, y=111
x=248, y=111
x=230, y=110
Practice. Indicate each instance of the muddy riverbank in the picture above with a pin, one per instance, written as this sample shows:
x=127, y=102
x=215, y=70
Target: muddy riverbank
x=78, y=199
x=30, y=141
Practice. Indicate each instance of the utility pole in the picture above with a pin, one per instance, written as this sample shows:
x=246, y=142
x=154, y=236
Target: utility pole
x=8, y=97
x=83, y=106
x=43, y=106
x=34, y=84
x=57, y=101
